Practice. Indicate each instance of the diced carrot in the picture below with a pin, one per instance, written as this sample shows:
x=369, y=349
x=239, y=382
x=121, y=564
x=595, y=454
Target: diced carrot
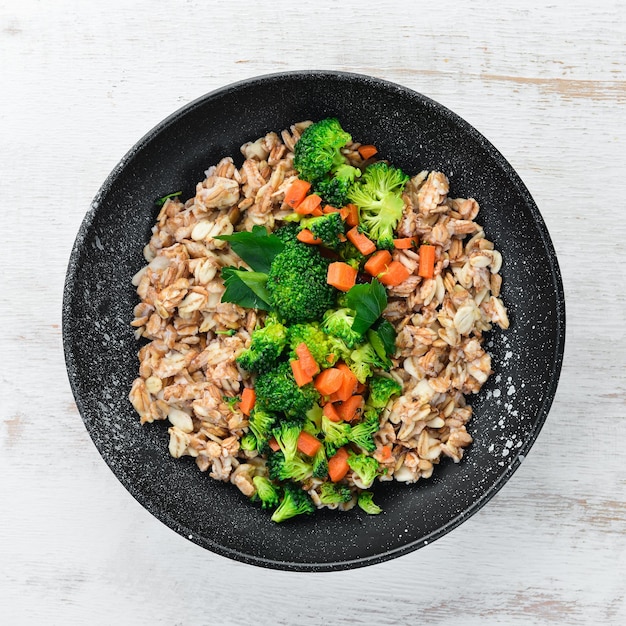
x=317, y=212
x=348, y=386
x=378, y=262
x=426, y=268
x=309, y=204
x=248, y=399
x=306, y=236
x=307, y=362
x=342, y=238
x=396, y=273
x=386, y=452
x=330, y=209
x=330, y=357
x=330, y=412
x=298, y=373
x=351, y=408
x=297, y=193
x=351, y=215
x=308, y=444
x=405, y=243
x=329, y=381
x=362, y=243
x=367, y=151
x=360, y=388
x=341, y=276
x=273, y=444
x=338, y=465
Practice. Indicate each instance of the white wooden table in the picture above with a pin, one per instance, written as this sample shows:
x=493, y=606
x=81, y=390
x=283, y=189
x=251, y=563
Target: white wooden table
x=83, y=81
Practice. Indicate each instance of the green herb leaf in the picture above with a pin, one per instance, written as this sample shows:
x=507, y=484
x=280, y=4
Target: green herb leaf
x=247, y=289
x=161, y=201
x=369, y=301
x=256, y=247
x=387, y=334
x=229, y=332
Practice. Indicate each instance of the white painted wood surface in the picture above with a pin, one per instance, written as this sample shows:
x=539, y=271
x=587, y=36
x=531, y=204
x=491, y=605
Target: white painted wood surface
x=82, y=81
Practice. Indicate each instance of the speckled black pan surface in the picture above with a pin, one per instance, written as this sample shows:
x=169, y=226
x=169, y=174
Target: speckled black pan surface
x=415, y=133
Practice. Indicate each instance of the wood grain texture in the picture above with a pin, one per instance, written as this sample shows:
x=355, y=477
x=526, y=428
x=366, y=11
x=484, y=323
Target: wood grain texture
x=83, y=81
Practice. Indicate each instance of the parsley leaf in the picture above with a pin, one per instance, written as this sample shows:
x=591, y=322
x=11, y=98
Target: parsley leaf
x=256, y=247
x=161, y=201
x=386, y=335
x=368, y=301
x=245, y=288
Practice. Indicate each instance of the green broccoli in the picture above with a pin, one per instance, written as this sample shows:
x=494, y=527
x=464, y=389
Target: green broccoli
x=296, y=284
x=260, y=424
x=295, y=501
x=362, y=434
x=363, y=359
x=320, y=464
x=366, y=502
x=331, y=493
x=336, y=434
x=266, y=491
x=381, y=391
x=339, y=349
x=378, y=195
x=266, y=346
x=326, y=227
x=316, y=340
x=318, y=150
x=313, y=420
x=339, y=323
x=277, y=391
x=286, y=435
x=280, y=469
x=248, y=442
x=335, y=187
x=288, y=233
x=350, y=254
x=365, y=467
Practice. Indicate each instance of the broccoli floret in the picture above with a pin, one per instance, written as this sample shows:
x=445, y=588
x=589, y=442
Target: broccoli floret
x=280, y=469
x=363, y=359
x=248, y=442
x=365, y=467
x=316, y=340
x=295, y=501
x=335, y=187
x=266, y=491
x=326, y=227
x=260, y=424
x=320, y=464
x=362, y=434
x=339, y=323
x=381, y=391
x=366, y=502
x=336, y=434
x=319, y=149
x=378, y=195
x=266, y=346
x=331, y=493
x=286, y=435
x=313, y=420
x=288, y=233
x=297, y=285
x=277, y=391
x=339, y=349
x=350, y=254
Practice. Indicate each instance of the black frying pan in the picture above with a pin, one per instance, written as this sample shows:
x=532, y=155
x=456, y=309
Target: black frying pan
x=415, y=133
